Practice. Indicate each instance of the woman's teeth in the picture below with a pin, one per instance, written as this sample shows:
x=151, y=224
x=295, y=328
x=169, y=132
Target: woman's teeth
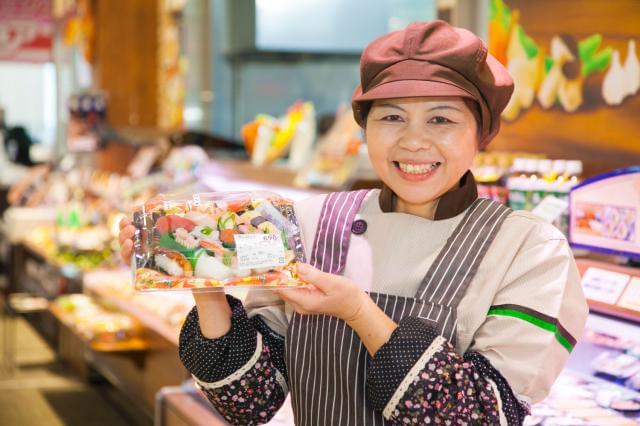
x=417, y=169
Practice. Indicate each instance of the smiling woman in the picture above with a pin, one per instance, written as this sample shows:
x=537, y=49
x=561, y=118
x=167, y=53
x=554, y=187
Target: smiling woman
x=427, y=304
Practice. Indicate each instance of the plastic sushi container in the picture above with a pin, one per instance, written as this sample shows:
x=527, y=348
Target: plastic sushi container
x=215, y=241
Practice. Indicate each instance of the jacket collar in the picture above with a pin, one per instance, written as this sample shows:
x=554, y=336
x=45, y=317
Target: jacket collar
x=449, y=205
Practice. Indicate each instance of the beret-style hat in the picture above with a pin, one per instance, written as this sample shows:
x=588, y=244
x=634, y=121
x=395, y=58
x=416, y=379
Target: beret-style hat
x=433, y=59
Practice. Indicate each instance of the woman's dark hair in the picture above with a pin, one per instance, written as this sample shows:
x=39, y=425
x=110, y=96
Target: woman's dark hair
x=475, y=110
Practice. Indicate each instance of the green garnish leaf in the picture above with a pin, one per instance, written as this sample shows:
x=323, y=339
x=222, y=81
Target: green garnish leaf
x=207, y=230
x=167, y=241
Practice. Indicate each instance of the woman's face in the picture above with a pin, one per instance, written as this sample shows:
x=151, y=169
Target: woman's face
x=421, y=147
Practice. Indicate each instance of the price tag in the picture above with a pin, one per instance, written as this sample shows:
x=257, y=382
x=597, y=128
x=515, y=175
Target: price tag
x=550, y=208
x=604, y=286
x=631, y=297
x=259, y=250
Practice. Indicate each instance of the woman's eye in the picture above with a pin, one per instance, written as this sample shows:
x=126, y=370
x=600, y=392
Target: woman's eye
x=391, y=117
x=440, y=120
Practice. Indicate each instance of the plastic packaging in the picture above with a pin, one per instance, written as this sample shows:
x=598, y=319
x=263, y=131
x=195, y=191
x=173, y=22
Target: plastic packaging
x=217, y=240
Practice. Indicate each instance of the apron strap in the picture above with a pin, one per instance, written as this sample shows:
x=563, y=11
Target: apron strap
x=333, y=233
x=457, y=263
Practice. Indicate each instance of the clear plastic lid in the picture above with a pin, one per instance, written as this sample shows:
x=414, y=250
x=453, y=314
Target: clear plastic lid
x=217, y=240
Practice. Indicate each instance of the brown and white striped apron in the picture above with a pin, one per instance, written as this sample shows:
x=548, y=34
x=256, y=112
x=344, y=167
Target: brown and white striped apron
x=326, y=361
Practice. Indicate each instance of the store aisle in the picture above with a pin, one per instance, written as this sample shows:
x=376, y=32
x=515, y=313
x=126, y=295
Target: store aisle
x=42, y=391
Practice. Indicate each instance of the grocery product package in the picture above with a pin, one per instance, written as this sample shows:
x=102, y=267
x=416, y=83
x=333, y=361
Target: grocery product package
x=217, y=240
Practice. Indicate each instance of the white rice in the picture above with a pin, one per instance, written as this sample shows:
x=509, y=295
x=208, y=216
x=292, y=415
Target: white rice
x=168, y=265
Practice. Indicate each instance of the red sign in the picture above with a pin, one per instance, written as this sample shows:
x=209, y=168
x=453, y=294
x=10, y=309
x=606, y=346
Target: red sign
x=26, y=30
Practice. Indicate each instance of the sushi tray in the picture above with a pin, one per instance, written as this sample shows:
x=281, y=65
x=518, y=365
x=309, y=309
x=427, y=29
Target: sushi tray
x=217, y=240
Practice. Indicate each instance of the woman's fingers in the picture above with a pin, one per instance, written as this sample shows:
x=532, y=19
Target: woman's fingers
x=124, y=223
x=322, y=280
x=126, y=250
x=302, y=299
x=126, y=233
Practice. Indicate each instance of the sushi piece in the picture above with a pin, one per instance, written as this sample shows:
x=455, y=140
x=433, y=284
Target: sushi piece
x=238, y=205
x=256, y=221
x=268, y=228
x=227, y=236
x=170, y=223
x=215, y=248
x=202, y=219
x=183, y=237
x=174, y=263
x=239, y=272
x=227, y=221
x=246, y=217
x=210, y=267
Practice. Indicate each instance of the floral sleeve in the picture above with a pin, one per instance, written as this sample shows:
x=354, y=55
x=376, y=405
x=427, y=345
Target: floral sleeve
x=242, y=373
x=417, y=377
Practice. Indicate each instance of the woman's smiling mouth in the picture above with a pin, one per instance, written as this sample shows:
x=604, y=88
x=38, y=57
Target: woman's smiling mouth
x=416, y=171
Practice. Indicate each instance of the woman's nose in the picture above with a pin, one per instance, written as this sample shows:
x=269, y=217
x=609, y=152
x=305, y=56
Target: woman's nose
x=414, y=138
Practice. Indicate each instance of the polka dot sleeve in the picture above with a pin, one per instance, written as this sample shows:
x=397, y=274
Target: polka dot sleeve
x=211, y=360
x=241, y=373
x=418, y=377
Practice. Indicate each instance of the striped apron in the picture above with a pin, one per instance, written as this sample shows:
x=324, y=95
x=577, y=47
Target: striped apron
x=326, y=361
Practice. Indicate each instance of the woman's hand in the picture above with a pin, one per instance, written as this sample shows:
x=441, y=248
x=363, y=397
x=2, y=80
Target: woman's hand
x=125, y=237
x=340, y=297
x=329, y=294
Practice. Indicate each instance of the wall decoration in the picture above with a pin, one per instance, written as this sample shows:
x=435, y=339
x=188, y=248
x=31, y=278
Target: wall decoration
x=577, y=78
x=26, y=31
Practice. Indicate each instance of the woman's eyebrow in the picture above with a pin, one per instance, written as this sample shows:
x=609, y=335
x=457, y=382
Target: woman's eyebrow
x=444, y=107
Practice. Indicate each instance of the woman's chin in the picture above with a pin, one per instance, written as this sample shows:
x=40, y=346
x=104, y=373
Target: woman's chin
x=416, y=195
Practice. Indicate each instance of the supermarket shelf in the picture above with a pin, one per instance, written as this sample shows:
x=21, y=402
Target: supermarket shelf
x=605, y=308
x=584, y=264
x=146, y=318
x=179, y=407
x=40, y=251
x=133, y=344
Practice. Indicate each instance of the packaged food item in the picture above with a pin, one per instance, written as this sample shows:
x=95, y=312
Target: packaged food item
x=216, y=240
x=618, y=366
x=95, y=322
x=609, y=341
x=268, y=138
x=625, y=405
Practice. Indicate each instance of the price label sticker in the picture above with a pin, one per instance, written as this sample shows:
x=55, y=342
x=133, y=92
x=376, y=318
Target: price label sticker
x=259, y=250
x=604, y=286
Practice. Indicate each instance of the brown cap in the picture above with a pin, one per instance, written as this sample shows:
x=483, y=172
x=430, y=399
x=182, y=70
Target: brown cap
x=433, y=59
